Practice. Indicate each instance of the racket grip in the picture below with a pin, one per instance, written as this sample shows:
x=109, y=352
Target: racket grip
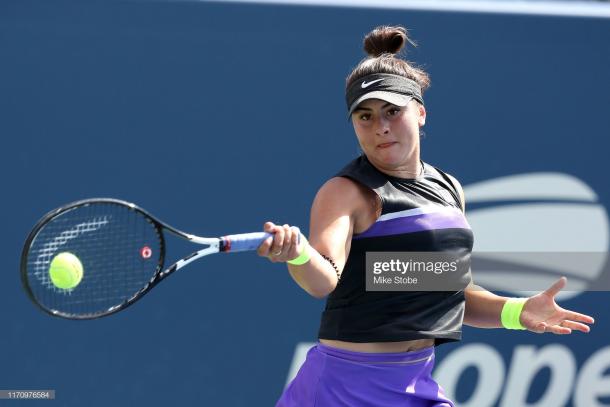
x=243, y=242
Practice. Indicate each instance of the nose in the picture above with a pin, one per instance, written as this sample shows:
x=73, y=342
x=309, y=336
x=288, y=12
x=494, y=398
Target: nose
x=383, y=127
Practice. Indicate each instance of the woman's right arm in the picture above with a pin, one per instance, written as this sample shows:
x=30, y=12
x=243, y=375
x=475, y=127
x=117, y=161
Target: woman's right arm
x=333, y=213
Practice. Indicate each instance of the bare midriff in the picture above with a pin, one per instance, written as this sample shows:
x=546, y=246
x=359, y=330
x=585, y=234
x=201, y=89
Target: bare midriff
x=380, y=347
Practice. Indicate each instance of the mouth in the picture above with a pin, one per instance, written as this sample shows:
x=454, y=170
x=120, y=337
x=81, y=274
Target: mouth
x=386, y=145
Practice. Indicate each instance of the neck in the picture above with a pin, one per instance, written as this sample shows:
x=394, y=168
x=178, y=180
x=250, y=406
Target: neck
x=410, y=169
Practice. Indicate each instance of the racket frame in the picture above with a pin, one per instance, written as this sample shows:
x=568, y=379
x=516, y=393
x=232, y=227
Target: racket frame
x=215, y=245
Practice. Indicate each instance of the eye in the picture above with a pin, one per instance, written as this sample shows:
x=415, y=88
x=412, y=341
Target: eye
x=364, y=117
x=393, y=111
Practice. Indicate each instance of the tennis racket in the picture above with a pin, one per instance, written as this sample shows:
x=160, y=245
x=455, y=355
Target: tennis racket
x=121, y=248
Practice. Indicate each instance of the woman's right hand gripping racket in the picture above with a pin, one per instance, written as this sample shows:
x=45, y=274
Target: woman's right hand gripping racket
x=95, y=257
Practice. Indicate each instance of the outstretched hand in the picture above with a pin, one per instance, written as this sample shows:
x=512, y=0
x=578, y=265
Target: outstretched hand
x=542, y=314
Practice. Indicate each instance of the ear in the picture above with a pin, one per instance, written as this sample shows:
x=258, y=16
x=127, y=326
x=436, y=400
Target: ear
x=422, y=115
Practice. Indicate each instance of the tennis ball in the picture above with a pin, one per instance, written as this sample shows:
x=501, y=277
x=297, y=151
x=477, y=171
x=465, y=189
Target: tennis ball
x=66, y=270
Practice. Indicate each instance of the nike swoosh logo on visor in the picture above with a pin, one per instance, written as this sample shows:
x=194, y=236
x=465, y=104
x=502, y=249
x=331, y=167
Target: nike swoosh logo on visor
x=366, y=85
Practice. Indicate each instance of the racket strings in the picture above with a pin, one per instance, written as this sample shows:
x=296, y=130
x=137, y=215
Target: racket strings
x=110, y=241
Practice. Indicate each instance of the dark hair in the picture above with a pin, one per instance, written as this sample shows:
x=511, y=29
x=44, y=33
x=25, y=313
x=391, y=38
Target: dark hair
x=382, y=45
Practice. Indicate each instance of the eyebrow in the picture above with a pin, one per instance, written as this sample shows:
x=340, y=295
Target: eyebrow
x=369, y=109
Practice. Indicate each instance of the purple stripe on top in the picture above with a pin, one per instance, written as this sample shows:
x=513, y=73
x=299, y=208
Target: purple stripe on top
x=445, y=219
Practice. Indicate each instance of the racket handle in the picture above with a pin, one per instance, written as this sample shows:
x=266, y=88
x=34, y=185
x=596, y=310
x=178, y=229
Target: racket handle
x=243, y=242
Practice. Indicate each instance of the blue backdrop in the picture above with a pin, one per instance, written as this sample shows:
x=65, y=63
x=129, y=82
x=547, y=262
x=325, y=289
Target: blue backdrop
x=218, y=117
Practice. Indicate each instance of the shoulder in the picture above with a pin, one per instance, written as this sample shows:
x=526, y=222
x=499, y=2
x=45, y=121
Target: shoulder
x=343, y=199
x=343, y=192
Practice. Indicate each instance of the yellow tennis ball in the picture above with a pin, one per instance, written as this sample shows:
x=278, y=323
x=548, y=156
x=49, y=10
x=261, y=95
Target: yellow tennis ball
x=66, y=270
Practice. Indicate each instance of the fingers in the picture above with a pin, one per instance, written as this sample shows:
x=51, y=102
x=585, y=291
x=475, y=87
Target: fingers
x=576, y=321
x=556, y=287
x=295, y=240
x=279, y=233
x=543, y=327
x=576, y=326
x=577, y=316
x=283, y=245
x=564, y=327
x=558, y=329
x=265, y=247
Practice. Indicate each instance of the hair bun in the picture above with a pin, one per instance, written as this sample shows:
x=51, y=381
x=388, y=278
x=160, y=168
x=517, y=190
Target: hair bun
x=385, y=40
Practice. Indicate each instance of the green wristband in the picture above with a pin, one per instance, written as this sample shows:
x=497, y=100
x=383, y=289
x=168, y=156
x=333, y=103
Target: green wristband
x=511, y=313
x=304, y=256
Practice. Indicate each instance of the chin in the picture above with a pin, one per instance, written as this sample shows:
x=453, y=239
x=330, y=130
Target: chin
x=389, y=161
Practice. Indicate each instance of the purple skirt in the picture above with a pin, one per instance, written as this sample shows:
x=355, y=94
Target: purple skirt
x=332, y=377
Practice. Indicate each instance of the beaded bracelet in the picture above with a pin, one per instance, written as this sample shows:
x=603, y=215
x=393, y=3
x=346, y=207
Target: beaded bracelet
x=332, y=263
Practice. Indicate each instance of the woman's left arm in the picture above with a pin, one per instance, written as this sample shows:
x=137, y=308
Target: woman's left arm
x=540, y=312
x=483, y=308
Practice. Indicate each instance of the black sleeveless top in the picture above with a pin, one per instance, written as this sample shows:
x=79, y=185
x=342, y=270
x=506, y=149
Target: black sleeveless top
x=418, y=215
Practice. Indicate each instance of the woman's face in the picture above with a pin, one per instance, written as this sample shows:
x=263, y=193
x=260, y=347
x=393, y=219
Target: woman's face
x=389, y=134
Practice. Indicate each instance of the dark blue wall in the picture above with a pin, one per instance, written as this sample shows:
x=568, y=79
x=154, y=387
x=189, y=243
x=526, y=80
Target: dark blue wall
x=218, y=117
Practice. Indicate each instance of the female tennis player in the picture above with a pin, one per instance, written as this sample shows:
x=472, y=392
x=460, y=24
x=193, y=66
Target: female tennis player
x=377, y=348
